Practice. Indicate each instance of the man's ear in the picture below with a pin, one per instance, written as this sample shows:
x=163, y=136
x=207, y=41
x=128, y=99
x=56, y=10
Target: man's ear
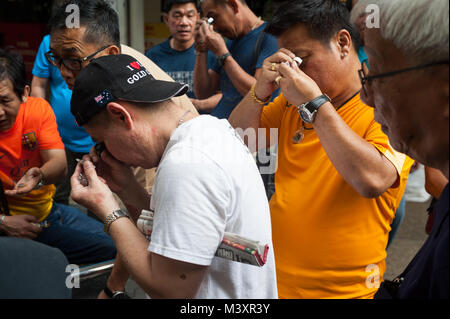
x=26, y=93
x=113, y=50
x=166, y=19
x=344, y=42
x=120, y=115
x=233, y=5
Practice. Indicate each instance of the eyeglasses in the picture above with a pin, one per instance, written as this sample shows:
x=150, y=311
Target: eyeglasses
x=366, y=79
x=71, y=64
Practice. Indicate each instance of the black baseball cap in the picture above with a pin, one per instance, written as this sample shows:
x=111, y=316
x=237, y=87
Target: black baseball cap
x=117, y=77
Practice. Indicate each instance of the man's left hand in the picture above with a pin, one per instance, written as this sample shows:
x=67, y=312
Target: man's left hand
x=27, y=183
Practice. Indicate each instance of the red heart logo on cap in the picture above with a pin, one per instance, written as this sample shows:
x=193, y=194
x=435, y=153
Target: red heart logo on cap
x=135, y=66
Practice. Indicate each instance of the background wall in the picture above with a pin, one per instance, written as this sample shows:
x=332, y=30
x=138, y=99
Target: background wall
x=23, y=23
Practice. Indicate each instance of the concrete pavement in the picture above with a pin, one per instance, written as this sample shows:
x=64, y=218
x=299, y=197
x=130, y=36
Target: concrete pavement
x=410, y=237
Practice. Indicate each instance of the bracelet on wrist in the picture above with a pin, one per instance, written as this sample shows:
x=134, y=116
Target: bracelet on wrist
x=256, y=99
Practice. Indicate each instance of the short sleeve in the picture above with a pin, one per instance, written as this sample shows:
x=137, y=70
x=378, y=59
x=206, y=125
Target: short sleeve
x=377, y=138
x=190, y=203
x=401, y=162
x=41, y=66
x=48, y=134
x=272, y=114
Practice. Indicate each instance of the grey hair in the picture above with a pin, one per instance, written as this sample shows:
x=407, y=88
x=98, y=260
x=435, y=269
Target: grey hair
x=419, y=28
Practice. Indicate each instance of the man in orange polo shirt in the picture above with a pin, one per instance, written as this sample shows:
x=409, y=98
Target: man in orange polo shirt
x=32, y=159
x=339, y=181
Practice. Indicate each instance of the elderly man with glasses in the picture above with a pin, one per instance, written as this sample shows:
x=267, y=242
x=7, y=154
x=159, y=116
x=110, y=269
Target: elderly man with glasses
x=48, y=84
x=339, y=181
x=69, y=63
x=408, y=87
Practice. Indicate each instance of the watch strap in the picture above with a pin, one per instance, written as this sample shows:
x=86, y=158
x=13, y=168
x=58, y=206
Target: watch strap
x=111, y=218
x=315, y=104
x=115, y=294
x=221, y=59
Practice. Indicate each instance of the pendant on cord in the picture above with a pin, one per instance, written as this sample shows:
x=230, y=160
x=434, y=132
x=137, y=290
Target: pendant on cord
x=299, y=136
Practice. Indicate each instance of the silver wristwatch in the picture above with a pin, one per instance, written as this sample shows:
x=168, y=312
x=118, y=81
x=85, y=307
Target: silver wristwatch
x=111, y=218
x=308, y=111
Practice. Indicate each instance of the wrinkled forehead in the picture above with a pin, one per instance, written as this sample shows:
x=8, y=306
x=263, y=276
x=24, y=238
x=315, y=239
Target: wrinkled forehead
x=68, y=41
x=6, y=86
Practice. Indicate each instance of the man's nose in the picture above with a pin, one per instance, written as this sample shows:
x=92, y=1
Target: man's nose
x=65, y=72
x=184, y=20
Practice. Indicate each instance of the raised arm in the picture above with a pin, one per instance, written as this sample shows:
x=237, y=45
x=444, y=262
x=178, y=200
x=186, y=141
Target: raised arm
x=359, y=162
x=206, y=82
x=247, y=114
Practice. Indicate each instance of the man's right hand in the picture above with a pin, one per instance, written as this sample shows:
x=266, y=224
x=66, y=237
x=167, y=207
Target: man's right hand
x=21, y=226
x=207, y=38
x=265, y=86
x=200, y=36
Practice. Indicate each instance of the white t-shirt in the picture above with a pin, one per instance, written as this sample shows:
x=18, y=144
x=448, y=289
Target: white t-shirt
x=207, y=184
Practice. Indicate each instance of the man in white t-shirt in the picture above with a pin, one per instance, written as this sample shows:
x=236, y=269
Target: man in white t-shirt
x=207, y=184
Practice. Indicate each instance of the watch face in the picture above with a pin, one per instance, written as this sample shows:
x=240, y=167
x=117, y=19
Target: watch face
x=306, y=116
x=120, y=213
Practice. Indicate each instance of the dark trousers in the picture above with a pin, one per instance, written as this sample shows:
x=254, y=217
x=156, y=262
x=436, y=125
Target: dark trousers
x=30, y=270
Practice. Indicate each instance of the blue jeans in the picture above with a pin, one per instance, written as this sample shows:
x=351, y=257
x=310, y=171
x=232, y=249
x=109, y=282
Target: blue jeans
x=79, y=237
